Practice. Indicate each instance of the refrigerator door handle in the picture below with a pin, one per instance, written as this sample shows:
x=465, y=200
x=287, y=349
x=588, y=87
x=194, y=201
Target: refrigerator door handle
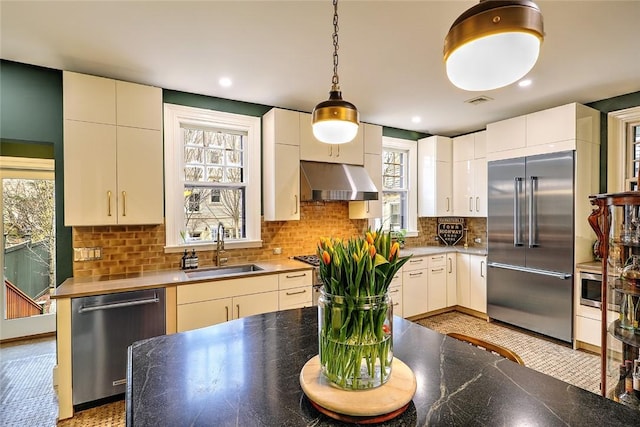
x=517, y=226
x=533, y=212
x=556, y=274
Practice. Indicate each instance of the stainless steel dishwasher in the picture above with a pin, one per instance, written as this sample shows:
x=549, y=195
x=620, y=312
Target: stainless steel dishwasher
x=102, y=327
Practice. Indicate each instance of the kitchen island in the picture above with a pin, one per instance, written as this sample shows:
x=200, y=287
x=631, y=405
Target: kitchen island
x=246, y=372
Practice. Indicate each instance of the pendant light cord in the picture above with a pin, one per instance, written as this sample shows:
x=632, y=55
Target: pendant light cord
x=335, y=81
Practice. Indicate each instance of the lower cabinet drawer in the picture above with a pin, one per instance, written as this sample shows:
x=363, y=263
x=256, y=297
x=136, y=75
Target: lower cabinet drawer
x=396, y=300
x=295, y=297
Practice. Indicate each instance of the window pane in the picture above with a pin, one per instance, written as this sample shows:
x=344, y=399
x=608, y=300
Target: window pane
x=394, y=209
x=206, y=207
x=393, y=169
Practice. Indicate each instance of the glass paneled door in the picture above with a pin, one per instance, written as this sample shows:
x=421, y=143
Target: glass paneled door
x=28, y=255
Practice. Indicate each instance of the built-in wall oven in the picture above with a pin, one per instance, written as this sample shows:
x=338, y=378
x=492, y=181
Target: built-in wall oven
x=591, y=291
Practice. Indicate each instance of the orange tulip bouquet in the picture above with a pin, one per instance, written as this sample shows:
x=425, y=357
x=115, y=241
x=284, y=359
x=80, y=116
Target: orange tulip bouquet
x=354, y=311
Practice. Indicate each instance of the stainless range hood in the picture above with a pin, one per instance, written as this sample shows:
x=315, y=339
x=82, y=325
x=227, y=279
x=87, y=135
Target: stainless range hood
x=335, y=181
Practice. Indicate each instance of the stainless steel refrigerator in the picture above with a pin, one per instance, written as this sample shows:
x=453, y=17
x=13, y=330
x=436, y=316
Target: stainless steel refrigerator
x=530, y=228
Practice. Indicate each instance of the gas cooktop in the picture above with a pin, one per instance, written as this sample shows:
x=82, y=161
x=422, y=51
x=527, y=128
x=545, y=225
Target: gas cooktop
x=309, y=259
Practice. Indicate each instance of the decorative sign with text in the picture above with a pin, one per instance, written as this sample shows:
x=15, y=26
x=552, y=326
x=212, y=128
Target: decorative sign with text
x=450, y=230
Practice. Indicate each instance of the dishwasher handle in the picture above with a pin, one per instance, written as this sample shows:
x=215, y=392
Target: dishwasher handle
x=119, y=305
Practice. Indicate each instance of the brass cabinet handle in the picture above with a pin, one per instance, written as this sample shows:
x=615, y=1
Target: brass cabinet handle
x=124, y=203
x=338, y=155
x=295, y=275
x=416, y=274
x=108, y=203
x=447, y=204
x=450, y=265
x=413, y=261
x=394, y=291
x=296, y=199
x=296, y=293
x=238, y=308
x=434, y=270
x=330, y=150
x=226, y=309
x=367, y=206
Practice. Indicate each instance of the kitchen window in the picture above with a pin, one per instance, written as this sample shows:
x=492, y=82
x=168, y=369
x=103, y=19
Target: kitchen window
x=399, y=176
x=212, y=176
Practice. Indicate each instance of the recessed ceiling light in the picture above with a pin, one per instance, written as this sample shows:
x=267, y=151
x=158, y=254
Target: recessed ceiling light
x=524, y=83
x=416, y=119
x=225, y=82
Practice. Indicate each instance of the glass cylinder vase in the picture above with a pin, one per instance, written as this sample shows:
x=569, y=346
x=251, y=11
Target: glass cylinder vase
x=355, y=340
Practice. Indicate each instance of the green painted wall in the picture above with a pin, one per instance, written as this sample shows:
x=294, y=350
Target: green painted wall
x=606, y=106
x=403, y=134
x=211, y=103
x=31, y=126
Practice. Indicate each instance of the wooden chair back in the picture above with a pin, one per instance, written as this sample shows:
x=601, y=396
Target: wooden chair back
x=488, y=346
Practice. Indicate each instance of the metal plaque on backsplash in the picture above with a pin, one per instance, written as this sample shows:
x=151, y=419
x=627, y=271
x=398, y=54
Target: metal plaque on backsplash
x=450, y=230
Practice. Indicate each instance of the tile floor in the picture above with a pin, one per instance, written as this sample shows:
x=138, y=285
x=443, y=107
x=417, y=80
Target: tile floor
x=27, y=397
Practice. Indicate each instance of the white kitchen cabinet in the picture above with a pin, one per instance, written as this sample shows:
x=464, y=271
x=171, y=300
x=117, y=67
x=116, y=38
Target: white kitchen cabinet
x=395, y=292
x=208, y=303
x=510, y=134
x=370, y=209
x=478, y=283
x=138, y=106
x=88, y=98
x=437, y=282
x=281, y=165
x=463, y=275
x=470, y=175
x=435, y=179
x=113, y=173
x=471, y=272
x=313, y=150
x=452, y=283
x=295, y=289
x=547, y=131
x=415, y=276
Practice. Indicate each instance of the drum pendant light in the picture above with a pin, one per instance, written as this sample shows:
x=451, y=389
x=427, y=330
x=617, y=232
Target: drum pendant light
x=335, y=121
x=493, y=44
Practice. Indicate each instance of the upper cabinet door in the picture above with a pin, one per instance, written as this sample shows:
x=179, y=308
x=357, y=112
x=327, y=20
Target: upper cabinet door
x=373, y=164
x=90, y=186
x=138, y=106
x=140, y=196
x=313, y=150
x=507, y=134
x=435, y=177
x=89, y=98
x=281, y=165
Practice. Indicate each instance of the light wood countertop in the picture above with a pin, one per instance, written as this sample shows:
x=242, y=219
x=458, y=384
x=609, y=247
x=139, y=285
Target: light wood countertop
x=99, y=285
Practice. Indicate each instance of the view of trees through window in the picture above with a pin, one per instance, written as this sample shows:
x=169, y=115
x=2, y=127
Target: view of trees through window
x=29, y=245
x=214, y=189
x=394, y=183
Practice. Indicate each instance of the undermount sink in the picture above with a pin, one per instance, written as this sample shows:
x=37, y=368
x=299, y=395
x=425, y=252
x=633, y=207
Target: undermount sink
x=222, y=271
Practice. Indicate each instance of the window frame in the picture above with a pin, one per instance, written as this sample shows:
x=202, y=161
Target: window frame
x=411, y=148
x=618, y=163
x=175, y=116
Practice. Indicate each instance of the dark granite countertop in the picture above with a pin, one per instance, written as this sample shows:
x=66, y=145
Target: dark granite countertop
x=246, y=373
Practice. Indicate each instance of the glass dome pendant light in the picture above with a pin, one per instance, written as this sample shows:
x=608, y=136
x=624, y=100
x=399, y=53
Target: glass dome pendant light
x=493, y=44
x=335, y=121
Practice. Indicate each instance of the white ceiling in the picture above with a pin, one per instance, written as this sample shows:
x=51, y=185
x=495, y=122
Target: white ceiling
x=279, y=53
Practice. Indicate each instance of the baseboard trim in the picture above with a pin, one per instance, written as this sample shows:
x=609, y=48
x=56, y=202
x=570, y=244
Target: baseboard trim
x=27, y=338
